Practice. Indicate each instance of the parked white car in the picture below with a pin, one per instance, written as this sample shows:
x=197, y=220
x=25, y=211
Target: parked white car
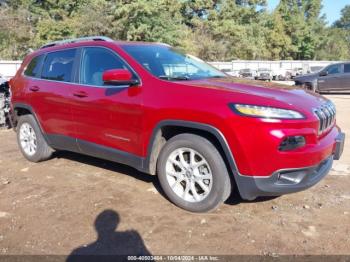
x=281, y=74
x=264, y=74
x=247, y=73
x=231, y=72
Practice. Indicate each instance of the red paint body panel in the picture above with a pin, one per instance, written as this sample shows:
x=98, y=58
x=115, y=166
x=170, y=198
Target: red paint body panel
x=125, y=119
x=116, y=75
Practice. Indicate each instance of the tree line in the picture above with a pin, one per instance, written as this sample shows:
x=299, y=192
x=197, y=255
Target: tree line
x=211, y=29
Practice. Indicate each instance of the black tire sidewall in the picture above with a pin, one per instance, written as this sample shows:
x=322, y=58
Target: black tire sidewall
x=220, y=181
x=41, y=143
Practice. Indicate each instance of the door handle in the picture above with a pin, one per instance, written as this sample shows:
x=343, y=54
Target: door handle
x=80, y=94
x=34, y=88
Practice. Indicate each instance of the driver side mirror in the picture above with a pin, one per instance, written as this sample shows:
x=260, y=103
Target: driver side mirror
x=118, y=77
x=324, y=73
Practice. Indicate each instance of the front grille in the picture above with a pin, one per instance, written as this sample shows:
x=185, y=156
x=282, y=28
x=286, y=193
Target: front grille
x=326, y=116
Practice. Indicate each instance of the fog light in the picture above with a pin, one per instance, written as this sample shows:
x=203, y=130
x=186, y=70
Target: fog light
x=292, y=142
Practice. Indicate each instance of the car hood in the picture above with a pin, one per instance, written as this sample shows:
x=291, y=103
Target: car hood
x=307, y=77
x=269, y=94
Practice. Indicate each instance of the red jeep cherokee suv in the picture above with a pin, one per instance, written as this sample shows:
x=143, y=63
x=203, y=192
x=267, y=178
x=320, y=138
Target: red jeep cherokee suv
x=163, y=112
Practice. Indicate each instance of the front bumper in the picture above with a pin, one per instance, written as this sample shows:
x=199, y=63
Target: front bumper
x=263, y=77
x=288, y=180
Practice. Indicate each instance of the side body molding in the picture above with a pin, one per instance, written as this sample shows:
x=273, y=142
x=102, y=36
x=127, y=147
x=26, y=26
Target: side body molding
x=143, y=164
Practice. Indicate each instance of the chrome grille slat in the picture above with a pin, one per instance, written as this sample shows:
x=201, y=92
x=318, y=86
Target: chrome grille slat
x=326, y=116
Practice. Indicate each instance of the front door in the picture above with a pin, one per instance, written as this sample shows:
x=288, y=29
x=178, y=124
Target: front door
x=107, y=117
x=345, y=79
x=330, y=80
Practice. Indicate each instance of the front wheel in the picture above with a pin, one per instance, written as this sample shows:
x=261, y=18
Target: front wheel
x=310, y=86
x=193, y=174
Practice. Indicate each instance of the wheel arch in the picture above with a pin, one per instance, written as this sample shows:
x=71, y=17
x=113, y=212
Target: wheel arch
x=20, y=109
x=166, y=129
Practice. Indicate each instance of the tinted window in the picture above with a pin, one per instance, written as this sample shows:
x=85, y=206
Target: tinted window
x=346, y=68
x=334, y=69
x=95, y=61
x=58, y=65
x=33, y=68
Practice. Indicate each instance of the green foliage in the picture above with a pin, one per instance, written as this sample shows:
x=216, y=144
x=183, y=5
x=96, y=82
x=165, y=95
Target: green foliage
x=344, y=21
x=211, y=29
x=335, y=45
x=160, y=21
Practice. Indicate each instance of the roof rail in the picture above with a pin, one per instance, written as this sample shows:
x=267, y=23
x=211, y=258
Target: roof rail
x=75, y=40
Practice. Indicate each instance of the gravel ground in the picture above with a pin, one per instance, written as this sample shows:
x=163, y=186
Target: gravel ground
x=74, y=201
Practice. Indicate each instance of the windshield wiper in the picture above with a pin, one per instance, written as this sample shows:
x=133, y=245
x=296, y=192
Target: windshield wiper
x=174, y=77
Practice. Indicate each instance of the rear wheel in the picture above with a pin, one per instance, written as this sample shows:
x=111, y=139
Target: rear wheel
x=193, y=174
x=31, y=141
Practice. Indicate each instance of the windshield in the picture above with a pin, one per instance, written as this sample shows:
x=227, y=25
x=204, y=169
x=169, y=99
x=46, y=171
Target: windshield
x=316, y=68
x=167, y=63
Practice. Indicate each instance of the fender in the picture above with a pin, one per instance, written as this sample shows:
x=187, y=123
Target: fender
x=193, y=125
x=31, y=110
x=243, y=187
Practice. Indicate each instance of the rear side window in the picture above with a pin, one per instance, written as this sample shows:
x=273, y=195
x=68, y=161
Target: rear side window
x=33, y=68
x=346, y=68
x=58, y=65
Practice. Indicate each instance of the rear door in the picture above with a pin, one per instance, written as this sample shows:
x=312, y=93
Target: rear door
x=331, y=81
x=48, y=93
x=106, y=116
x=345, y=79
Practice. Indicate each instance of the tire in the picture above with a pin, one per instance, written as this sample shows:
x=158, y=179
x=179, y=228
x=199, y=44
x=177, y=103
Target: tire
x=193, y=177
x=314, y=88
x=311, y=87
x=28, y=132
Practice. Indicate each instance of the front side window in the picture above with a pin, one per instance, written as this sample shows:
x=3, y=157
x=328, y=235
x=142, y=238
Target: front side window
x=33, y=68
x=95, y=61
x=168, y=63
x=58, y=65
x=334, y=69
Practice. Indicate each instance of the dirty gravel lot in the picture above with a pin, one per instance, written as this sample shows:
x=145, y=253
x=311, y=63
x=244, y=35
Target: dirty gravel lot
x=51, y=208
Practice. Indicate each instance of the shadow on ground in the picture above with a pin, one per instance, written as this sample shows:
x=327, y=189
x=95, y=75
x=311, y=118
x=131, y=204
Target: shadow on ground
x=110, y=245
x=234, y=198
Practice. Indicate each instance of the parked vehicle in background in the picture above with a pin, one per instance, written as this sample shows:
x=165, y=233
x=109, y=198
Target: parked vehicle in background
x=169, y=114
x=264, y=74
x=234, y=73
x=281, y=74
x=2, y=79
x=247, y=73
x=4, y=105
x=296, y=72
x=334, y=77
x=314, y=69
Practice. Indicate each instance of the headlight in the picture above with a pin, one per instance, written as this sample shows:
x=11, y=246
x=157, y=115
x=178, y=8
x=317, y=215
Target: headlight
x=265, y=112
